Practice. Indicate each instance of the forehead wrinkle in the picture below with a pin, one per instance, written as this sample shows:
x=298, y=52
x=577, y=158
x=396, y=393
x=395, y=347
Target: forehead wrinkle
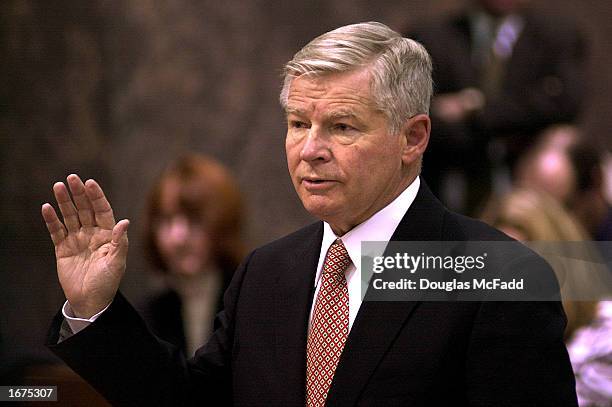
x=341, y=114
x=329, y=87
x=328, y=99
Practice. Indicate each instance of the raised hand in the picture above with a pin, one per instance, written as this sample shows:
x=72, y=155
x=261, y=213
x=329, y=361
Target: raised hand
x=90, y=248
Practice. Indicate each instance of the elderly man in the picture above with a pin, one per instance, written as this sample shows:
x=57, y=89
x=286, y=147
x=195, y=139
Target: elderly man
x=295, y=330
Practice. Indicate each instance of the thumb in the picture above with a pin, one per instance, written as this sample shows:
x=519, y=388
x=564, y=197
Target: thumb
x=119, y=237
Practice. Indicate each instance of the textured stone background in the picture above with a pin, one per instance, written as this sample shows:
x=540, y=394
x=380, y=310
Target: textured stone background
x=116, y=89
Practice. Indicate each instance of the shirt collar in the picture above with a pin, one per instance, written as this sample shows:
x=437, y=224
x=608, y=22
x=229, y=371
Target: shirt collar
x=379, y=227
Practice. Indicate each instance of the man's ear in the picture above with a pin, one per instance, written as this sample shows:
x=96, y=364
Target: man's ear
x=415, y=133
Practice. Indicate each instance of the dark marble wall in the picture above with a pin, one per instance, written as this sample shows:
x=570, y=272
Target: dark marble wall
x=114, y=90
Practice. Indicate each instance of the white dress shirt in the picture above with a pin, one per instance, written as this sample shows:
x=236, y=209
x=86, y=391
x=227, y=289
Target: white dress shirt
x=380, y=228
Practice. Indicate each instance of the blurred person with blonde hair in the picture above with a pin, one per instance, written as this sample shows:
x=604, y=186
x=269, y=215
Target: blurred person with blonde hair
x=568, y=166
x=530, y=215
x=534, y=216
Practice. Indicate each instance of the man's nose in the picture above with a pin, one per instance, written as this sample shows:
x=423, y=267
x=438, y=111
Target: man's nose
x=316, y=146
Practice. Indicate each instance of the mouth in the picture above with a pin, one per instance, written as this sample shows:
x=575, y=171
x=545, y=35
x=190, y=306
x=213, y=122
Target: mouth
x=317, y=184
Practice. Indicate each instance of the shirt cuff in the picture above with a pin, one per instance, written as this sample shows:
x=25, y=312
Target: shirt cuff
x=78, y=324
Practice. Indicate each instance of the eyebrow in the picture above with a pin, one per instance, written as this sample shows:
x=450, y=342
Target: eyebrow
x=341, y=114
x=334, y=115
x=294, y=110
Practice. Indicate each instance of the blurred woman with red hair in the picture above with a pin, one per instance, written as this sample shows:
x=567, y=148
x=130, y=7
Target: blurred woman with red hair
x=193, y=236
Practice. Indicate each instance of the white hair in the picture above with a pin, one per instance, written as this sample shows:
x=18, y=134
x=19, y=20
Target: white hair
x=400, y=68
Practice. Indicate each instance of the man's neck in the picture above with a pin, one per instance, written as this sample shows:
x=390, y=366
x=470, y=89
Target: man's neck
x=342, y=229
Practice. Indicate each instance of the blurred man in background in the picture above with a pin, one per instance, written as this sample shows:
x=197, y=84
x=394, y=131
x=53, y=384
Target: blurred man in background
x=502, y=73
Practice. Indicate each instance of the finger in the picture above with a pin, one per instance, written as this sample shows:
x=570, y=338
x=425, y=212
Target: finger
x=69, y=213
x=103, y=212
x=119, y=239
x=83, y=206
x=54, y=226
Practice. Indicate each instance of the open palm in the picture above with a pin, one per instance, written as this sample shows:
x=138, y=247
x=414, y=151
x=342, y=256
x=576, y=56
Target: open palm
x=90, y=247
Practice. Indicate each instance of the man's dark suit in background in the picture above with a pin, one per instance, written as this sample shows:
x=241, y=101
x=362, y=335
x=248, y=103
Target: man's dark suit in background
x=541, y=82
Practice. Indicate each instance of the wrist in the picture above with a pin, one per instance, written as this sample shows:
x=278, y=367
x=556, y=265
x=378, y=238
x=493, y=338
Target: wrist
x=75, y=323
x=86, y=312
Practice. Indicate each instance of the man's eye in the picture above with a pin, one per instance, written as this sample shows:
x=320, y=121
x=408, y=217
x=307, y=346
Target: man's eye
x=342, y=127
x=297, y=124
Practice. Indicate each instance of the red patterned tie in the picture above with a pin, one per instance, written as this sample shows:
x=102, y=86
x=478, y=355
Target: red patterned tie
x=329, y=326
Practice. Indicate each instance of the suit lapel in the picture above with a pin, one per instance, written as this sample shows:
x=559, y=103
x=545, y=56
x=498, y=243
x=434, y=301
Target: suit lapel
x=294, y=291
x=378, y=323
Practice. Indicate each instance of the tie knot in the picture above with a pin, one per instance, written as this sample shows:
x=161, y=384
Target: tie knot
x=337, y=258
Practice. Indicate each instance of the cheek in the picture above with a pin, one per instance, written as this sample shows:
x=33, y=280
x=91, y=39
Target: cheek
x=357, y=162
x=292, y=152
x=201, y=244
x=371, y=170
x=161, y=240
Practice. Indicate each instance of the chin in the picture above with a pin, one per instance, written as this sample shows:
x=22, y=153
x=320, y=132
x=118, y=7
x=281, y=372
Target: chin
x=188, y=270
x=320, y=208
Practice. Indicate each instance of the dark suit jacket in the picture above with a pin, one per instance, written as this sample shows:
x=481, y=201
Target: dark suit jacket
x=397, y=353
